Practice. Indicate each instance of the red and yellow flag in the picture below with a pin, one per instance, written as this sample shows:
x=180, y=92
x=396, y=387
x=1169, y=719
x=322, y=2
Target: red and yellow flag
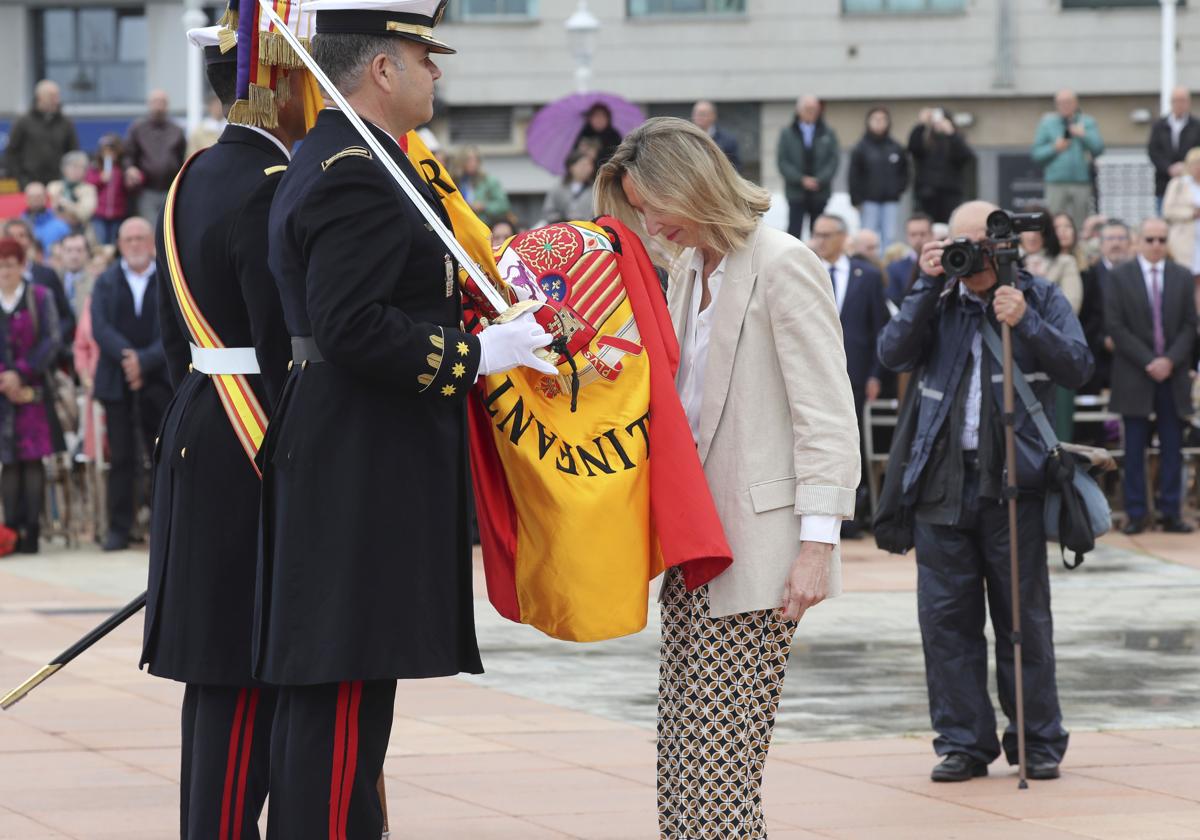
x=575, y=516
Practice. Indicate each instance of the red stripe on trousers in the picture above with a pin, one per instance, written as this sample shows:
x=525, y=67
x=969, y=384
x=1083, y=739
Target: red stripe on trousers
x=351, y=757
x=339, y=758
x=247, y=745
x=231, y=762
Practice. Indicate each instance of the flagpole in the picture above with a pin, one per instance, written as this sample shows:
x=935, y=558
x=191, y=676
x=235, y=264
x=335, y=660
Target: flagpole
x=432, y=219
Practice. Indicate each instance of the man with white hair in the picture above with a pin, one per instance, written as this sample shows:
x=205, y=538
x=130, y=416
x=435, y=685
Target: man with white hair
x=1065, y=146
x=704, y=115
x=1172, y=136
x=807, y=156
x=39, y=139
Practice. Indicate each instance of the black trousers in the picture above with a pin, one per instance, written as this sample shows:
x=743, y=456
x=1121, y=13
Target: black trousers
x=808, y=207
x=327, y=753
x=957, y=568
x=22, y=487
x=939, y=203
x=226, y=761
x=124, y=422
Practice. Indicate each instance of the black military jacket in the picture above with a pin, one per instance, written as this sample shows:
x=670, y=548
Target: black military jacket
x=204, y=526
x=365, y=569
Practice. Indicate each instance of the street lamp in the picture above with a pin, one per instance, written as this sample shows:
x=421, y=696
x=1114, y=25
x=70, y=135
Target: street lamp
x=582, y=27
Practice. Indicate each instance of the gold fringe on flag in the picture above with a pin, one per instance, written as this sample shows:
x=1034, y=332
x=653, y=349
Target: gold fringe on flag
x=274, y=51
x=230, y=19
x=258, y=110
x=227, y=40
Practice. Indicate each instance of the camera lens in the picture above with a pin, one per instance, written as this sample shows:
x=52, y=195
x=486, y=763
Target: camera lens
x=957, y=258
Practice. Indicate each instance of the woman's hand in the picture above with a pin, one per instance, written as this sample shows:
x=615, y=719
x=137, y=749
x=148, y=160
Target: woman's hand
x=808, y=582
x=10, y=383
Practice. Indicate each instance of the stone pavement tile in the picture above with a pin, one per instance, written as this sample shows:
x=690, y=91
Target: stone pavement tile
x=1189, y=819
x=1131, y=754
x=450, y=696
x=103, y=739
x=161, y=761
x=559, y=721
x=446, y=742
x=74, y=770
x=409, y=803
x=114, y=821
x=541, y=792
x=590, y=749
x=16, y=827
x=784, y=783
x=1177, y=738
x=881, y=807
x=1182, y=780
x=808, y=750
x=795, y=834
x=873, y=767
x=615, y=825
x=1008, y=830
x=16, y=736
x=1041, y=807
x=1122, y=827
x=92, y=707
x=507, y=761
x=477, y=828
x=1003, y=782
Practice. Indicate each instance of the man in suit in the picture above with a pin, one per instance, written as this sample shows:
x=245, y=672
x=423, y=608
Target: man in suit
x=902, y=273
x=204, y=520
x=704, y=115
x=807, y=156
x=365, y=561
x=131, y=378
x=1115, y=248
x=862, y=308
x=1150, y=314
x=75, y=277
x=1171, y=137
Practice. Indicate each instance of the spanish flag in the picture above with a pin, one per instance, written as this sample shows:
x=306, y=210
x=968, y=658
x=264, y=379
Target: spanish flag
x=575, y=516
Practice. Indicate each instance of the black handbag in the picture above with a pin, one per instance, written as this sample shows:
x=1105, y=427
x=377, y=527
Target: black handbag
x=892, y=524
x=1076, y=511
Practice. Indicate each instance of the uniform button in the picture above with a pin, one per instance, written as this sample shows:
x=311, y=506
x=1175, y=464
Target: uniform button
x=190, y=368
x=156, y=441
x=183, y=452
x=304, y=365
x=290, y=365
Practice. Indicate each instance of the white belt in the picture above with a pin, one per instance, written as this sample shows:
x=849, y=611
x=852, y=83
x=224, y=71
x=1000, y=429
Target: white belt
x=231, y=360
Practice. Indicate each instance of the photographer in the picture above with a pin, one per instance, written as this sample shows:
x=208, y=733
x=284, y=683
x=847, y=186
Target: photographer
x=953, y=478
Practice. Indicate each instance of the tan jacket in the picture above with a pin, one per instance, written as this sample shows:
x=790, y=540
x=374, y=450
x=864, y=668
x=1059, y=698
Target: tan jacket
x=1179, y=211
x=778, y=437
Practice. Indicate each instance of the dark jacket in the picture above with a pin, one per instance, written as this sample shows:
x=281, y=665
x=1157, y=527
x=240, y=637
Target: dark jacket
x=795, y=160
x=204, y=525
x=940, y=160
x=1091, y=315
x=36, y=145
x=1163, y=152
x=902, y=274
x=1128, y=320
x=110, y=302
x=44, y=275
x=934, y=331
x=878, y=170
x=727, y=143
x=863, y=314
x=157, y=149
x=365, y=569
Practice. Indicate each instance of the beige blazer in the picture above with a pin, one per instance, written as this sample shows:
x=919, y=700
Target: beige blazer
x=1179, y=211
x=778, y=437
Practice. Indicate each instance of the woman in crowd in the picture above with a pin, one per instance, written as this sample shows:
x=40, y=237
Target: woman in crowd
x=29, y=340
x=72, y=197
x=1046, y=256
x=484, y=193
x=878, y=176
x=502, y=231
x=1181, y=207
x=941, y=157
x=762, y=377
x=112, y=197
x=1068, y=238
x=572, y=199
x=598, y=133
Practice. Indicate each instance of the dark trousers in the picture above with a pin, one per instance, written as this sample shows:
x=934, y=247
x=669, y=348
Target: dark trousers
x=123, y=422
x=22, y=487
x=958, y=567
x=326, y=757
x=226, y=761
x=939, y=203
x=1170, y=456
x=810, y=206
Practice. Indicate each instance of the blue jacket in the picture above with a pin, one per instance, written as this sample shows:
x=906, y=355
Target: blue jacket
x=1071, y=165
x=934, y=330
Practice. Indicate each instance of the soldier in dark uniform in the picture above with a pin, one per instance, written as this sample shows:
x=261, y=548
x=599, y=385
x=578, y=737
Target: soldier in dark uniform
x=365, y=570
x=204, y=531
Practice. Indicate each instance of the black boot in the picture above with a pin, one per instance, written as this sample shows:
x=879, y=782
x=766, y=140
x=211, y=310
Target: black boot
x=28, y=543
x=958, y=767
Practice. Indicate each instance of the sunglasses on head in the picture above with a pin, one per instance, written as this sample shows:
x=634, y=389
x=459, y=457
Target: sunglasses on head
x=1159, y=240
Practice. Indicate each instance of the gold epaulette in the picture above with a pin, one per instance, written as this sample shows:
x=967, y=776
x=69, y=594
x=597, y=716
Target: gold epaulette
x=271, y=170
x=349, y=151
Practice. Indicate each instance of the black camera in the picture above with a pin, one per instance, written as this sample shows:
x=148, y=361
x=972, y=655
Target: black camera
x=964, y=257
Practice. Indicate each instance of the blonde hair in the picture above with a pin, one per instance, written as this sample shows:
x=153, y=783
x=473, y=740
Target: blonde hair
x=678, y=170
x=1192, y=156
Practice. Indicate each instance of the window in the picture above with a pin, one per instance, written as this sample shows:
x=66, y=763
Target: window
x=481, y=124
x=491, y=9
x=650, y=8
x=901, y=7
x=95, y=53
x=1114, y=4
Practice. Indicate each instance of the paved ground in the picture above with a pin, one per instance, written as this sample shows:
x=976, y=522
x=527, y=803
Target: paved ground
x=556, y=741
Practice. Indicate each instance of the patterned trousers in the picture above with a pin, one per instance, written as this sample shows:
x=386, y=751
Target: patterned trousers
x=718, y=691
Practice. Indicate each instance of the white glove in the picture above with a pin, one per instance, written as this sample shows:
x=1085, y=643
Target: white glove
x=503, y=347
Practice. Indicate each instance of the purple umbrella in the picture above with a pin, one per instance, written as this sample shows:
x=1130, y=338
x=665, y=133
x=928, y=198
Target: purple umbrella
x=554, y=129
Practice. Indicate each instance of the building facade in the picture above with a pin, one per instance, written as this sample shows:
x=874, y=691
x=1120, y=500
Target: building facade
x=994, y=63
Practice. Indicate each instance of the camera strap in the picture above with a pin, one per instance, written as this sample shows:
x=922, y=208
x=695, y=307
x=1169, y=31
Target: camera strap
x=1032, y=404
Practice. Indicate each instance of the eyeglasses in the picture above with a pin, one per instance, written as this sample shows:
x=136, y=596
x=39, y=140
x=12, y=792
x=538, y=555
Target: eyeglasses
x=1153, y=240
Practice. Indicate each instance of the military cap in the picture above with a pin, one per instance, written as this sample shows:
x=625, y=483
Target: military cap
x=209, y=38
x=411, y=19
